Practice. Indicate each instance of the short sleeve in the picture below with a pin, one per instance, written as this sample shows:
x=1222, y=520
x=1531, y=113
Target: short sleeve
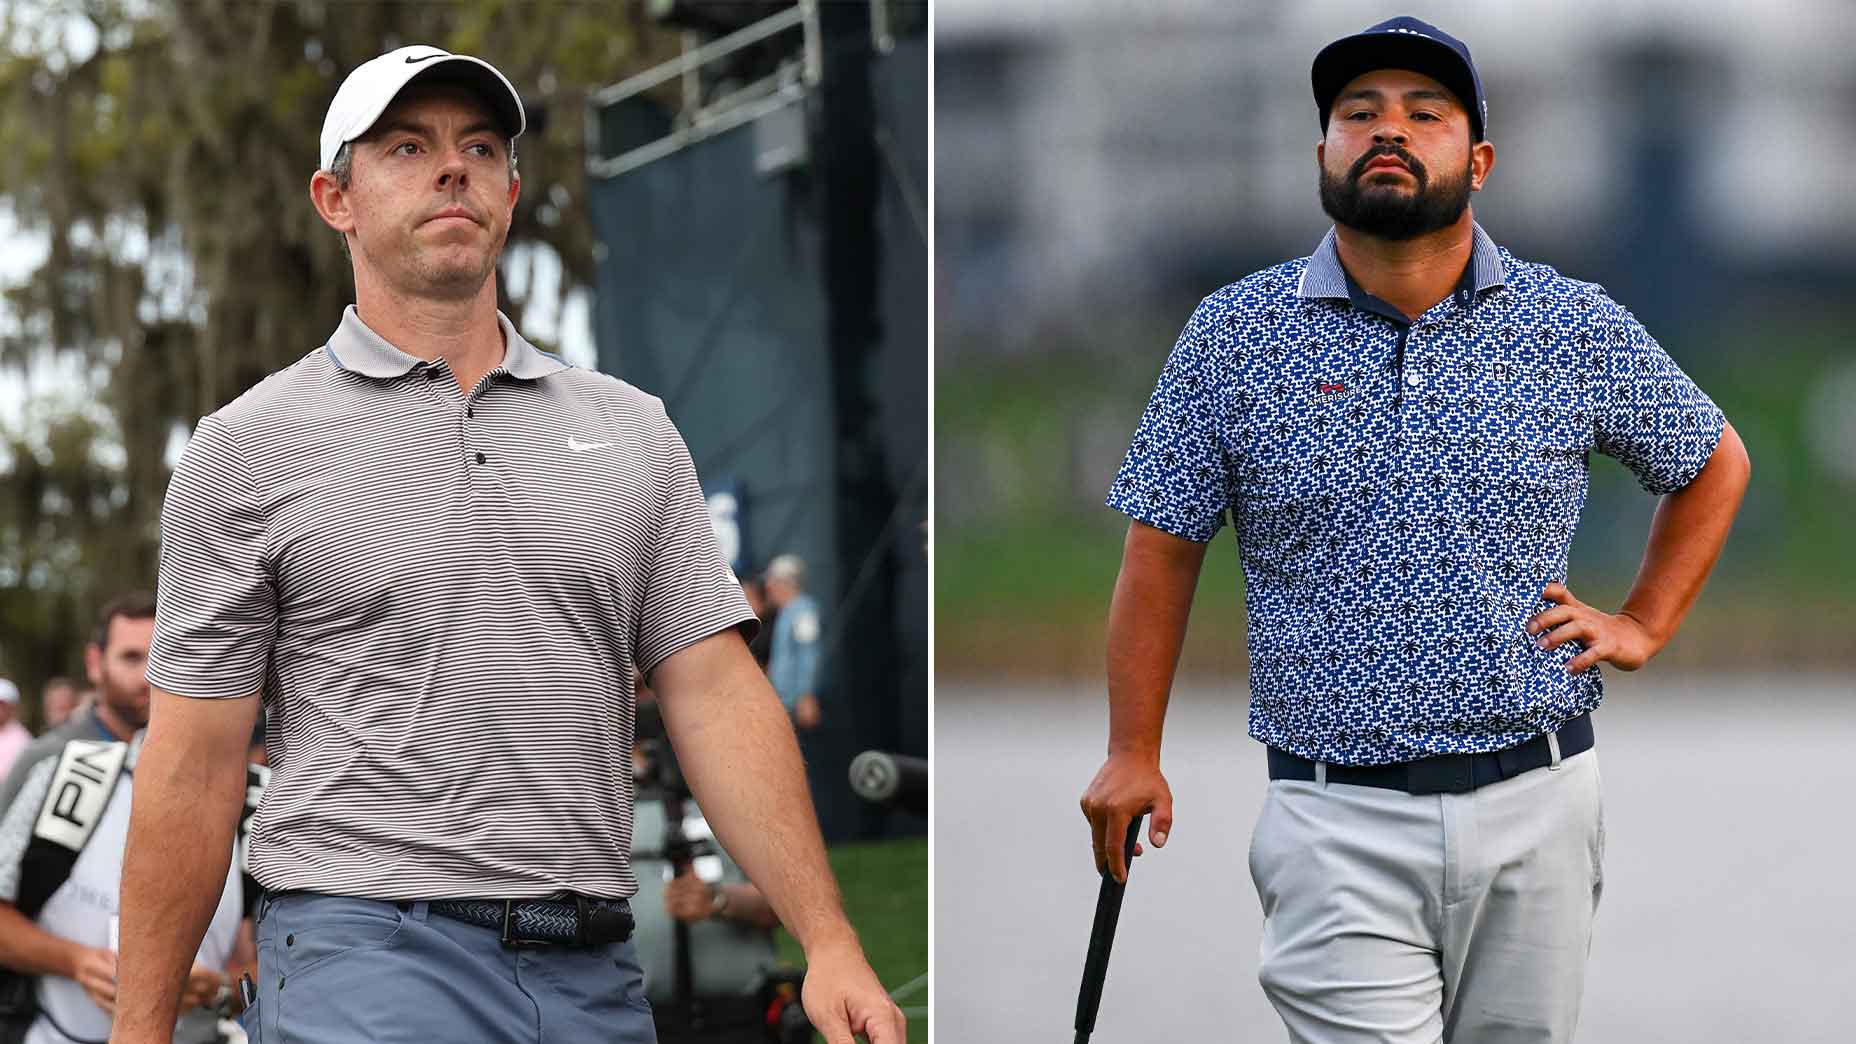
x=690, y=592
x=16, y=825
x=216, y=607
x=1177, y=475
x=1650, y=415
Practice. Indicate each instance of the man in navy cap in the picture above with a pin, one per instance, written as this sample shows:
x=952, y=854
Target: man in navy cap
x=1398, y=429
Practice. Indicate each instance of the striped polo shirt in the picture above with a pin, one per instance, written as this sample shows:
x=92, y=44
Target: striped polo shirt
x=445, y=599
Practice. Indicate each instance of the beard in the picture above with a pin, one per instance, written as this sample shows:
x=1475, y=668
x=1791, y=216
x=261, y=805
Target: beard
x=1390, y=211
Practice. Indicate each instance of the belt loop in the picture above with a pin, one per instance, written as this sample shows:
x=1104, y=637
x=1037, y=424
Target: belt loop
x=1553, y=748
x=1321, y=773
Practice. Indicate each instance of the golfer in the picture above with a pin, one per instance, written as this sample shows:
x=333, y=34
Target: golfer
x=1399, y=427
x=440, y=557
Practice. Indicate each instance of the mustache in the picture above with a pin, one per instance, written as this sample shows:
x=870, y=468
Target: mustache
x=1396, y=152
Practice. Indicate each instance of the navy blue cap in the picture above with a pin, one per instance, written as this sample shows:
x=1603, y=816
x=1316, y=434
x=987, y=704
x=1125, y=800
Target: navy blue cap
x=1402, y=43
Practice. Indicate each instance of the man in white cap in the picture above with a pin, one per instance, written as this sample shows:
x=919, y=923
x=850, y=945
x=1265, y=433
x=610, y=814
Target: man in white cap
x=13, y=735
x=442, y=558
x=793, y=661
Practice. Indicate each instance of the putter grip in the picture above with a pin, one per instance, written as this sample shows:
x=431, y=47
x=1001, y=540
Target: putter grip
x=1102, y=937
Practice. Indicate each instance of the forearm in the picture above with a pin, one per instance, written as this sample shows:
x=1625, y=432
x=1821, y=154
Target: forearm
x=174, y=870
x=737, y=751
x=745, y=904
x=1146, y=629
x=30, y=950
x=1686, y=536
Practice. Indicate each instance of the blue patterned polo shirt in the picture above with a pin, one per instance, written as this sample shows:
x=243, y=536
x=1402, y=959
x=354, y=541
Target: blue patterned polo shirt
x=1403, y=491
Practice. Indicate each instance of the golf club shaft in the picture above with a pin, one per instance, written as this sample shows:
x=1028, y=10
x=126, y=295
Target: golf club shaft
x=1102, y=937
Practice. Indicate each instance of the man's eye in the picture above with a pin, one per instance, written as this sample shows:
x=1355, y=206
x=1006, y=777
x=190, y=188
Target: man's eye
x=1428, y=116
x=482, y=149
x=1358, y=113
x=404, y=146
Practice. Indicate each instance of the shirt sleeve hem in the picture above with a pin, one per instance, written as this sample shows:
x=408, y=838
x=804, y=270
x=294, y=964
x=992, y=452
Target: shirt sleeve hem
x=655, y=653
x=1196, y=534
x=160, y=679
x=1689, y=475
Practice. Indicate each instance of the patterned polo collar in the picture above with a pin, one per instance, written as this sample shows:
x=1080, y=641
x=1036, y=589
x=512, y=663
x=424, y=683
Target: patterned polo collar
x=1324, y=276
x=355, y=347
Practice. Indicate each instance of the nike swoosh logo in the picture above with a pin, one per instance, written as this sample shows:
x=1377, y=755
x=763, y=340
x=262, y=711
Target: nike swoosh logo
x=581, y=447
x=410, y=60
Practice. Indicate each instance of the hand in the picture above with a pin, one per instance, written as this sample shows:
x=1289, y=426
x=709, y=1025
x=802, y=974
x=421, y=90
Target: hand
x=202, y=988
x=1127, y=785
x=689, y=898
x=805, y=711
x=842, y=997
x=1621, y=639
x=95, y=971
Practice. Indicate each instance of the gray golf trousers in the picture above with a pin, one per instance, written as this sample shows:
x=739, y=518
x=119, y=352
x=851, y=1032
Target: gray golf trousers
x=1395, y=918
x=338, y=970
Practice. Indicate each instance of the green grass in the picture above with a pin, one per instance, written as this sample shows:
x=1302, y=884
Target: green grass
x=885, y=886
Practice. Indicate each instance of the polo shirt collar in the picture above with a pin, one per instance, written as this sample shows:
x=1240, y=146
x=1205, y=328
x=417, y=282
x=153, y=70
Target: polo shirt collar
x=357, y=348
x=1324, y=276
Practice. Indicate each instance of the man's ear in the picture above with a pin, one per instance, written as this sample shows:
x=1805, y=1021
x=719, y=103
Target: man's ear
x=93, y=663
x=331, y=201
x=1481, y=162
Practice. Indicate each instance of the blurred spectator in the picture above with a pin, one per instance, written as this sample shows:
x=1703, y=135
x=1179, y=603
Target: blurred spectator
x=13, y=735
x=793, y=660
x=58, y=926
x=59, y=699
x=114, y=662
x=762, y=645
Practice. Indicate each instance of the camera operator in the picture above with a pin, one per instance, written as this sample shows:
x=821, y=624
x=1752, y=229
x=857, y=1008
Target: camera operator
x=704, y=934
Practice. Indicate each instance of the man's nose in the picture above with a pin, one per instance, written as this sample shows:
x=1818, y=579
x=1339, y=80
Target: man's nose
x=1389, y=134
x=453, y=175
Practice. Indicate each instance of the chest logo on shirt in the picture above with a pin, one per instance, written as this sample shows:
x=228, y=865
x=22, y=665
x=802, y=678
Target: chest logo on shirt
x=1326, y=391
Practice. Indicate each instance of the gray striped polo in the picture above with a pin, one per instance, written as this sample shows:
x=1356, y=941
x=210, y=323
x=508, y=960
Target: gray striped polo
x=445, y=599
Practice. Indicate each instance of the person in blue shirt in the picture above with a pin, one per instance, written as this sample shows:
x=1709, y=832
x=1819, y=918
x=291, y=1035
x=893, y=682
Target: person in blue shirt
x=793, y=663
x=1398, y=428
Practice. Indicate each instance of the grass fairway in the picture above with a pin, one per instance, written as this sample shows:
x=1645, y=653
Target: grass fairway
x=885, y=887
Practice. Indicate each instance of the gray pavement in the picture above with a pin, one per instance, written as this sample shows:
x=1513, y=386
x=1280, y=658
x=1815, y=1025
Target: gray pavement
x=1730, y=903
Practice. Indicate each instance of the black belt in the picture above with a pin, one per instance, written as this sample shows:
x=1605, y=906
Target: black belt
x=1444, y=773
x=525, y=923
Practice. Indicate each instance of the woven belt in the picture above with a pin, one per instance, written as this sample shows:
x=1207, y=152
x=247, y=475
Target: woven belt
x=576, y=922
x=1445, y=773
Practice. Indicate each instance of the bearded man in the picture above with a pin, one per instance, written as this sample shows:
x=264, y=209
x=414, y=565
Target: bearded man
x=1398, y=427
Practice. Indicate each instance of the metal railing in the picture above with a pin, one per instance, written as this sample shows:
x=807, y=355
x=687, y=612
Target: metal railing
x=698, y=120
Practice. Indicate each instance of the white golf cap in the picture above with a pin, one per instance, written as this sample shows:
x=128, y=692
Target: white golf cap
x=9, y=693
x=373, y=85
x=787, y=567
